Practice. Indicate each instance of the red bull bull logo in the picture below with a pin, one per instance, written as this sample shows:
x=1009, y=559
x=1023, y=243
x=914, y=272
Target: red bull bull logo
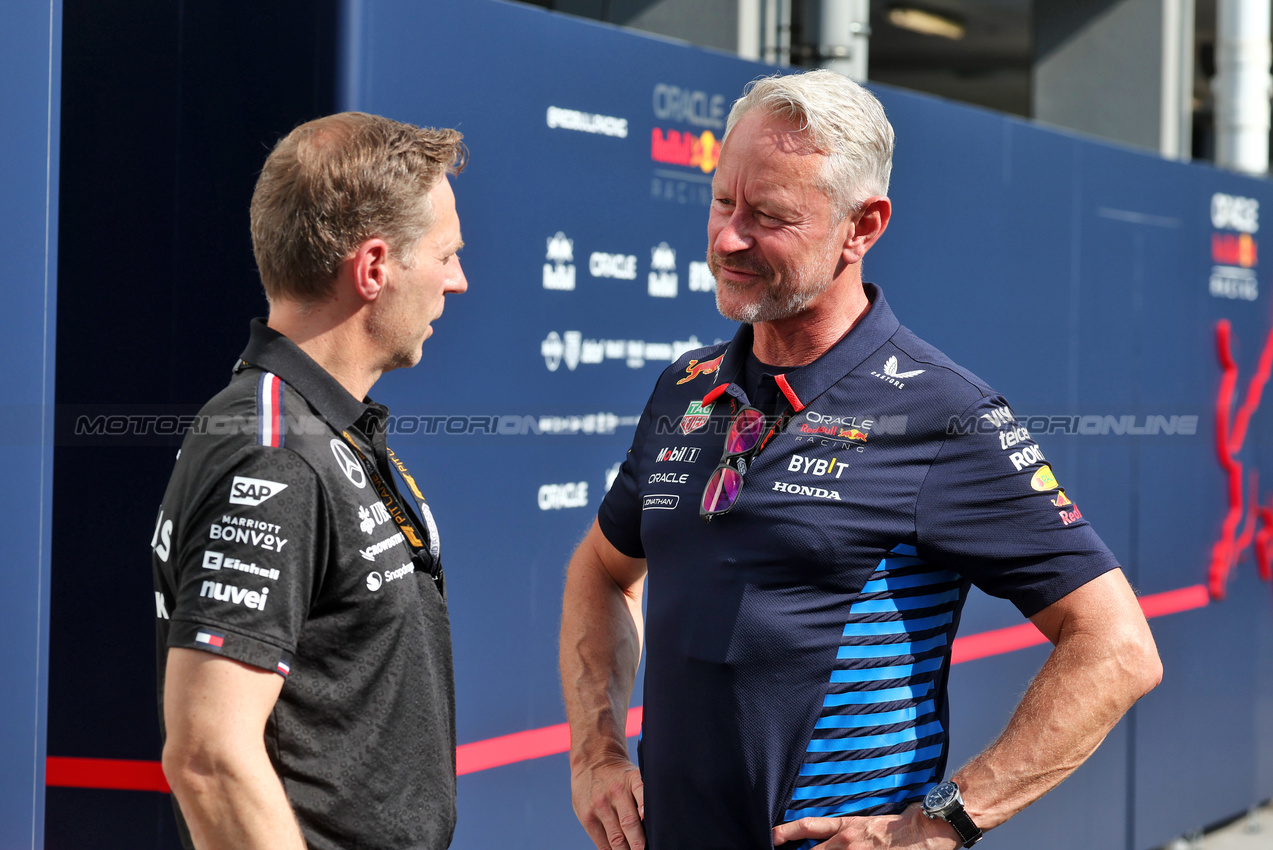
x=678, y=148
x=853, y=435
x=695, y=369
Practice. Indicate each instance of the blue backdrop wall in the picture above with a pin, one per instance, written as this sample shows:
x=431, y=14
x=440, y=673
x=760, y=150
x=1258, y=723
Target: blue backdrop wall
x=1086, y=282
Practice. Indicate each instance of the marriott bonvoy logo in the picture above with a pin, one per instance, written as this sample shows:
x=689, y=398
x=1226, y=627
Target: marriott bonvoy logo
x=893, y=376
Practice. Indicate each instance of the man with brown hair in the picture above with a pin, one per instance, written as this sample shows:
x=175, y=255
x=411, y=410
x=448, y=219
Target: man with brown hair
x=305, y=683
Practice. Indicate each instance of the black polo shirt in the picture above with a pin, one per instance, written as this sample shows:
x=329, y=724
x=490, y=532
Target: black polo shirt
x=799, y=645
x=273, y=548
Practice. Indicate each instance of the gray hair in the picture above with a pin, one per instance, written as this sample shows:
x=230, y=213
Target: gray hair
x=843, y=120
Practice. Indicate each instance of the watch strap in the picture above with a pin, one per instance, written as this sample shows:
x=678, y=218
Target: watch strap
x=969, y=832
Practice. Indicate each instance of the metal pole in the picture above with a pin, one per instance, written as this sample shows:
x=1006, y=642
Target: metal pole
x=1242, y=85
x=844, y=36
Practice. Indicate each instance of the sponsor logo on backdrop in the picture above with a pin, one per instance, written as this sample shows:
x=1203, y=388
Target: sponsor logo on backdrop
x=893, y=376
x=554, y=497
x=586, y=122
x=701, y=278
x=348, y=463
x=559, y=274
x=672, y=147
x=1234, y=251
x=695, y=368
x=617, y=266
x=662, y=280
x=696, y=416
x=253, y=491
x=660, y=502
x=689, y=106
x=573, y=349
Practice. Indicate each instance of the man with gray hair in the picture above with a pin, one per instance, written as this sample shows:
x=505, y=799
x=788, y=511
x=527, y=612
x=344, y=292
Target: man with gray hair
x=800, y=626
x=305, y=684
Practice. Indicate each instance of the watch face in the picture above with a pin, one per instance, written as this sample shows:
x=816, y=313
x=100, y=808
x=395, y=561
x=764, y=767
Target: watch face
x=941, y=795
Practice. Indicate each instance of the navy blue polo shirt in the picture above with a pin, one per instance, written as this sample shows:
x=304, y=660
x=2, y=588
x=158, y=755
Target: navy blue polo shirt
x=799, y=645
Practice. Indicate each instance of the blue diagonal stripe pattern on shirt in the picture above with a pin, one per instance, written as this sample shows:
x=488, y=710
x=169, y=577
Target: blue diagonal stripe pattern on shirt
x=879, y=740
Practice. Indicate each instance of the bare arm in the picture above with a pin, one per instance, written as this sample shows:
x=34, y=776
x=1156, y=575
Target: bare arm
x=601, y=631
x=214, y=756
x=1103, y=661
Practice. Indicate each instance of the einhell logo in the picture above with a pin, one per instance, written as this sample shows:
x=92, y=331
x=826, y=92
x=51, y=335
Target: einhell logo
x=1234, y=251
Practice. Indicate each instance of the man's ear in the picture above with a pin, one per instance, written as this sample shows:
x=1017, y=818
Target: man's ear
x=866, y=227
x=369, y=267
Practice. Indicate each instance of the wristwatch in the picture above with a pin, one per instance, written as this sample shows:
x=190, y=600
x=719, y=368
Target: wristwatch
x=944, y=801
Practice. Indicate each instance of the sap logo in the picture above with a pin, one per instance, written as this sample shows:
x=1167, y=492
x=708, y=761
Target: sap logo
x=802, y=490
x=617, y=266
x=689, y=106
x=894, y=377
x=253, y=491
x=558, y=274
x=669, y=478
x=1231, y=212
x=261, y=539
x=236, y=595
x=161, y=540
x=369, y=518
x=1028, y=456
x=701, y=278
x=1068, y=517
x=662, y=278
x=815, y=466
x=1009, y=438
x=554, y=497
x=660, y=502
x=678, y=454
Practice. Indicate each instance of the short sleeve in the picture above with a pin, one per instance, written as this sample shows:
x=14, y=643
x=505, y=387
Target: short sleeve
x=992, y=509
x=620, y=513
x=249, y=561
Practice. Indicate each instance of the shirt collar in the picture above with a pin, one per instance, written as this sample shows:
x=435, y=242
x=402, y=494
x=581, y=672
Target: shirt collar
x=805, y=383
x=270, y=350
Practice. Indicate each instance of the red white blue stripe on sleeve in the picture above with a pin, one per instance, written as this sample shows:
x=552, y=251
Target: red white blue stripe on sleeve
x=210, y=638
x=269, y=410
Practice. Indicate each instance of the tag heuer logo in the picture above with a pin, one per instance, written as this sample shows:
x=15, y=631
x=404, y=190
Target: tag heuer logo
x=696, y=416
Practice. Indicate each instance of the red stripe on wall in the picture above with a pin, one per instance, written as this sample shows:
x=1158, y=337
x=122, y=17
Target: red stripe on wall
x=121, y=775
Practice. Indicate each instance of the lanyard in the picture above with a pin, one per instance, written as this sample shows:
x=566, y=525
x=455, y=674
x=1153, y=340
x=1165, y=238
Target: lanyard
x=423, y=555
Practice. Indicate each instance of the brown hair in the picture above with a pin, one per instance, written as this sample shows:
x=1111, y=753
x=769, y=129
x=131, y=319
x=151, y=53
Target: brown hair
x=331, y=184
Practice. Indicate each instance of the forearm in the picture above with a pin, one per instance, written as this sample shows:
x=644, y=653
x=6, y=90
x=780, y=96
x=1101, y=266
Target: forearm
x=1095, y=674
x=233, y=805
x=600, y=649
